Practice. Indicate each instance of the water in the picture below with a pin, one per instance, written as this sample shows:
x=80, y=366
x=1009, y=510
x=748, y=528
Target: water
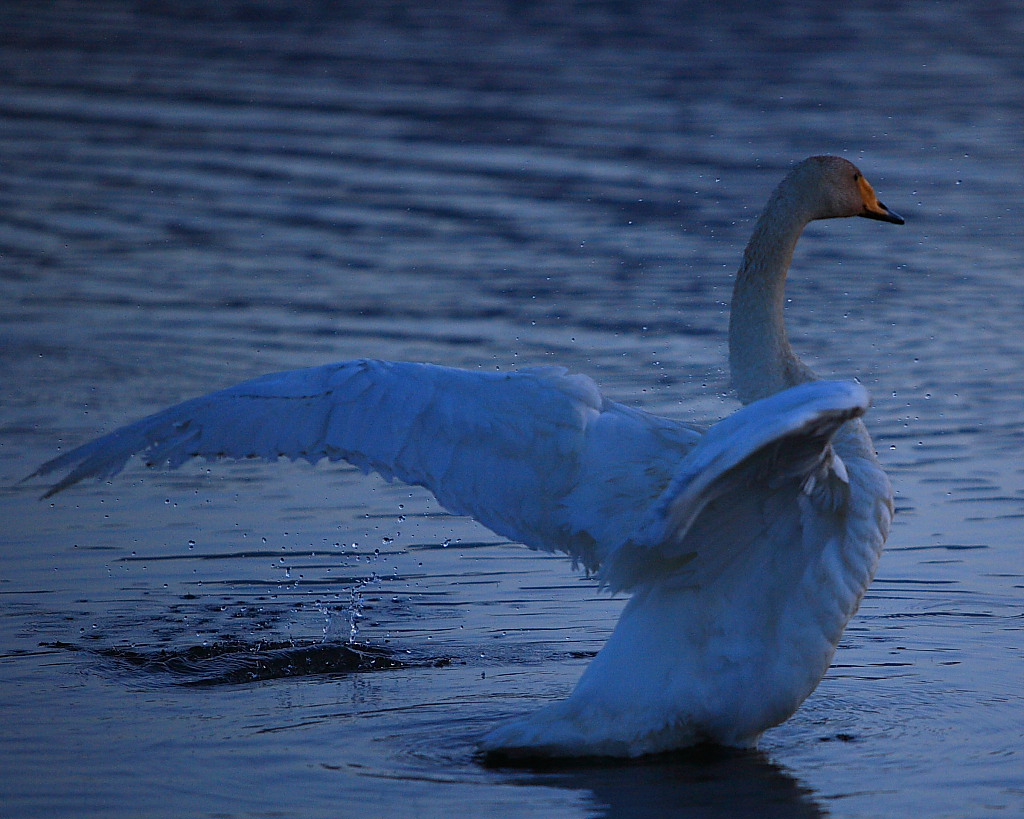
x=194, y=194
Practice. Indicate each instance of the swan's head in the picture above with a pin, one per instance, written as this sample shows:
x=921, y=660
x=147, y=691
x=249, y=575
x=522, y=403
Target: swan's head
x=835, y=188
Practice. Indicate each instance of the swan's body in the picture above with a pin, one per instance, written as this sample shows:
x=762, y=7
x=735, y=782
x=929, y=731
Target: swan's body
x=746, y=547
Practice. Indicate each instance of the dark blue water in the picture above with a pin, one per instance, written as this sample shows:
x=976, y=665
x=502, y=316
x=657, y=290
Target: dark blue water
x=192, y=194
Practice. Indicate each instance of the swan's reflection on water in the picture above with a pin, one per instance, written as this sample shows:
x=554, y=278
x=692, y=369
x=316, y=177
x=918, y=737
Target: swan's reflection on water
x=708, y=782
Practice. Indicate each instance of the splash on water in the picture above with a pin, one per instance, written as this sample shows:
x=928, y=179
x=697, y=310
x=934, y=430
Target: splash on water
x=234, y=662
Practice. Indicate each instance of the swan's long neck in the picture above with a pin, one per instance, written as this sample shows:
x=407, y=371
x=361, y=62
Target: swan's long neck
x=760, y=358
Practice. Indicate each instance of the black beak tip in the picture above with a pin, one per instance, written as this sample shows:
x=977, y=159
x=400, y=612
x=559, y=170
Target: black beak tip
x=894, y=217
x=884, y=215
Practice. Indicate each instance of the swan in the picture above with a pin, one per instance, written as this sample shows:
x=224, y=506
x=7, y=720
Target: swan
x=745, y=547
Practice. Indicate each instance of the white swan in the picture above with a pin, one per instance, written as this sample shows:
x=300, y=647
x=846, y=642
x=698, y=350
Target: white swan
x=746, y=548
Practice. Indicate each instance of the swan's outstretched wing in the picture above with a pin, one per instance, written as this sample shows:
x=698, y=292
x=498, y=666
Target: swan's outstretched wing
x=768, y=466
x=536, y=455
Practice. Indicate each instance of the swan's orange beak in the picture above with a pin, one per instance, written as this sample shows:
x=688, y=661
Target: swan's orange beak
x=873, y=209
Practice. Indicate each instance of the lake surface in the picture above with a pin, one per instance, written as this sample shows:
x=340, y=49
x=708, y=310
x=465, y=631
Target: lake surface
x=192, y=194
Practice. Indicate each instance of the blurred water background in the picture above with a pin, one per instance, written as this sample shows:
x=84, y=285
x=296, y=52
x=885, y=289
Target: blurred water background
x=195, y=193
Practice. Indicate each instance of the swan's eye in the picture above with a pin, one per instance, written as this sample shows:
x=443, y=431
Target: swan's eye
x=856, y=177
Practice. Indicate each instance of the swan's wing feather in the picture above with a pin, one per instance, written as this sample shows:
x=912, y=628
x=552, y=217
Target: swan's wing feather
x=768, y=465
x=514, y=450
